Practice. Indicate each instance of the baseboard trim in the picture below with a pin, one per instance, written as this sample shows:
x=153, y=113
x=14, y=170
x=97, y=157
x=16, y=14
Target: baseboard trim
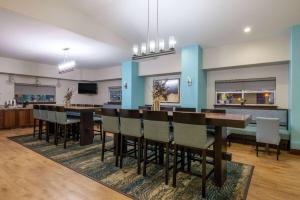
x=295, y=151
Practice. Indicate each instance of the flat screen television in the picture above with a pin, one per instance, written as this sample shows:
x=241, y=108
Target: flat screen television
x=87, y=88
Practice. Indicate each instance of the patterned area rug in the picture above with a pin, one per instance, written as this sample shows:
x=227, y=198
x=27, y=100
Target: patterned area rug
x=86, y=161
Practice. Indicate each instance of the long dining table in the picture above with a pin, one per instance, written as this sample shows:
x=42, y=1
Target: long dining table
x=218, y=120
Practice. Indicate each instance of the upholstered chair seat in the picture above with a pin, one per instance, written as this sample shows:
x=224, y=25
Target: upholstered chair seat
x=131, y=130
x=157, y=132
x=190, y=133
x=267, y=132
x=111, y=124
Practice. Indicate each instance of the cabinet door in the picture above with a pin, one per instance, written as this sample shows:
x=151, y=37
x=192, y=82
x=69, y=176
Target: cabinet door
x=1, y=119
x=30, y=114
x=9, y=119
x=22, y=118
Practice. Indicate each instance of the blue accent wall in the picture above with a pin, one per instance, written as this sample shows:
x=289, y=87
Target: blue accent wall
x=133, y=96
x=294, y=88
x=192, y=67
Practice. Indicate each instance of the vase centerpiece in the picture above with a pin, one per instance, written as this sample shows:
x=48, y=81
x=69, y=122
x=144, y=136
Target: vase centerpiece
x=159, y=92
x=68, y=96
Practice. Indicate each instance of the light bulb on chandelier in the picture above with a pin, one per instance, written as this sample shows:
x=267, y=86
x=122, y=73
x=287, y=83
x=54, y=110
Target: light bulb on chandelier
x=67, y=65
x=156, y=47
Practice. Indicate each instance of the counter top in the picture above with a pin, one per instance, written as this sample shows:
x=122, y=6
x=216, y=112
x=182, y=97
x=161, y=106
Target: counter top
x=250, y=106
x=17, y=108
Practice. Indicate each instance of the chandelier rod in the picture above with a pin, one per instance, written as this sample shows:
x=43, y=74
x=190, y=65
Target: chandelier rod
x=157, y=35
x=148, y=26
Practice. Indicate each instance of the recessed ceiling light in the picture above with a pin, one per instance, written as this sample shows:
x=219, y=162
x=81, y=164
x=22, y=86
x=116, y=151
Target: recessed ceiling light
x=247, y=29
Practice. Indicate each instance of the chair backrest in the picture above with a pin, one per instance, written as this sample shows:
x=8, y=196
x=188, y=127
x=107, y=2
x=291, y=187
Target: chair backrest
x=36, y=111
x=267, y=130
x=190, y=129
x=52, y=114
x=130, y=123
x=44, y=112
x=181, y=109
x=61, y=115
x=156, y=126
x=213, y=111
x=110, y=120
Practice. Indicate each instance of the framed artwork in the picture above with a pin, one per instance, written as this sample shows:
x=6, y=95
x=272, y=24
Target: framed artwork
x=115, y=94
x=171, y=88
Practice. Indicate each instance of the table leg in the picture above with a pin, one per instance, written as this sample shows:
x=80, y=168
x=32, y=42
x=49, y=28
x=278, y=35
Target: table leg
x=219, y=148
x=86, y=128
x=161, y=154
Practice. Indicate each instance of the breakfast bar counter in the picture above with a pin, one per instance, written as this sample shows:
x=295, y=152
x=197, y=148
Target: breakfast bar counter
x=11, y=118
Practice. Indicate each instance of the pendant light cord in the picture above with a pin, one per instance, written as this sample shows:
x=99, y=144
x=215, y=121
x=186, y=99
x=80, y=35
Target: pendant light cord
x=148, y=24
x=157, y=22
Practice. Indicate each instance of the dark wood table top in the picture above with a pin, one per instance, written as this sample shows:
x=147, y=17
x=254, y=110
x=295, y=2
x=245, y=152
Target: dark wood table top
x=75, y=108
x=224, y=120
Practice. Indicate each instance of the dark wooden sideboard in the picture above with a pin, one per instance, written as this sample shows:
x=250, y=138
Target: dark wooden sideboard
x=16, y=118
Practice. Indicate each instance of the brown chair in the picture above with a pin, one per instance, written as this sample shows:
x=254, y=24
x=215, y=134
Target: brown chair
x=51, y=122
x=182, y=109
x=36, y=119
x=131, y=129
x=157, y=132
x=43, y=120
x=98, y=122
x=111, y=124
x=190, y=133
x=64, y=122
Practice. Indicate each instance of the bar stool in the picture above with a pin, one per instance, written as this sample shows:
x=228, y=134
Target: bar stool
x=64, y=122
x=43, y=119
x=190, y=132
x=111, y=124
x=131, y=129
x=98, y=122
x=157, y=131
x=51, y=120
x=36, y=118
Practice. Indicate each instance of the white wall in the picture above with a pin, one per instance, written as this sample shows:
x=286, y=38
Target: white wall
x=103, y=90
x=14, y=66
x=278, y=71
x=149, y=84
x=7, y=90
x=248, y=53
x=161, y=65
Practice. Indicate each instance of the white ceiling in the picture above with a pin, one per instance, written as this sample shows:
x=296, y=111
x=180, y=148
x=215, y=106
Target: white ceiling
x=209, y=23
x=32, y=40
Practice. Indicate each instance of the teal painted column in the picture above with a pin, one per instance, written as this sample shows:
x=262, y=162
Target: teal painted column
x=132, y=86
x=294, y=85
x=193, y=94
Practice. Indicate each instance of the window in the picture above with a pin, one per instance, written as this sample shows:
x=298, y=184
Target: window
x=254, y=91
x=115, y=94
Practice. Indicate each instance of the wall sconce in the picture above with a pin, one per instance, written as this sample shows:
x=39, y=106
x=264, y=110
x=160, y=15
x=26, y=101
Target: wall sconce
x=189, y=81
x=125, y=84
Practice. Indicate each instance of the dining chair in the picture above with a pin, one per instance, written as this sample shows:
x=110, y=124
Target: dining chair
x=111, y=124
x=43, y=120
x=182, y=109
x=97, y=119
x=157, y=131
x=190, y=133
x=64, y=122
x=267, y=132
x=51, y=120
x=36, y=118
x=131, y=129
